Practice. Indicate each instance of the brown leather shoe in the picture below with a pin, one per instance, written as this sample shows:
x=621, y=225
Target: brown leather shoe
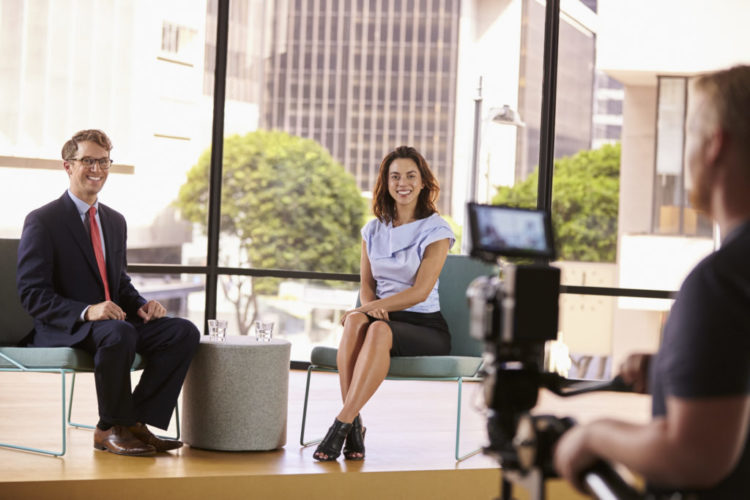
x=140, y=431
x=119, y=440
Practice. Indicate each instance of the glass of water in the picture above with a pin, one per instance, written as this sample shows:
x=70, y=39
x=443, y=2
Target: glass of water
x=217, y=329
x=263, y=331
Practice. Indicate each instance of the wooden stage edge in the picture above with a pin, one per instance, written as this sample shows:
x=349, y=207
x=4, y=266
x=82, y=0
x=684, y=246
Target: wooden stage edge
x=410, y=441
x=458, y=484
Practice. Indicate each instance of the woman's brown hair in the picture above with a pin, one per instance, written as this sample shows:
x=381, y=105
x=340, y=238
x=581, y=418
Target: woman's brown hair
x=383, y=204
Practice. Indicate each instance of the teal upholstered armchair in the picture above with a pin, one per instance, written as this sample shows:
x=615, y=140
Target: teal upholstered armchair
x=60, y=360
x=463, y=362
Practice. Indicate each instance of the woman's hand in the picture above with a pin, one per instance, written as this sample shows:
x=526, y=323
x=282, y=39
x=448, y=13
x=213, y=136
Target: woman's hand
x=379, y=313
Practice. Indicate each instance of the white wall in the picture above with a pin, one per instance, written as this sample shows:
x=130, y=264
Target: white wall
x=657, y=262
x=117, y=79
x=586, y=320
x=639, y=39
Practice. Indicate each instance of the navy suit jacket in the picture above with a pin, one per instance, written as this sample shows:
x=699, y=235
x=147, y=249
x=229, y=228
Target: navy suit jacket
x=57, y=273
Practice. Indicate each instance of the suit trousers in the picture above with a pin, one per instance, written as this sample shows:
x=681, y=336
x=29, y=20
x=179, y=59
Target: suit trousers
x=168, y=344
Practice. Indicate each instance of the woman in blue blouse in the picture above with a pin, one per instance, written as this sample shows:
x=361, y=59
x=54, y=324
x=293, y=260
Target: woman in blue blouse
x=403, y=251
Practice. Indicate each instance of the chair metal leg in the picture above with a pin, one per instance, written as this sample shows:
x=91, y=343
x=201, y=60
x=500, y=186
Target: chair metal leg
x=86, y=426
x=177, y=424
x=70, y=407
x=304, y=413
x=459, y=458
x=62, y=422
x=177, y=420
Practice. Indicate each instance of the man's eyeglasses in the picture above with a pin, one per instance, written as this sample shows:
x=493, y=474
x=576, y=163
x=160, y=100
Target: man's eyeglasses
x=88, y=162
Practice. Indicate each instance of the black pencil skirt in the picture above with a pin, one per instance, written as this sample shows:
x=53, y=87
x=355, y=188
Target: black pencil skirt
x=418, y=334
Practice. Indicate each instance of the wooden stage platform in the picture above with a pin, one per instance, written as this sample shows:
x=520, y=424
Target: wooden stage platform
x=410, y=439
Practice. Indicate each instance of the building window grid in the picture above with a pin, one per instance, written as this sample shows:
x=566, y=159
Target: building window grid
x=417, y=102
x=672, y=213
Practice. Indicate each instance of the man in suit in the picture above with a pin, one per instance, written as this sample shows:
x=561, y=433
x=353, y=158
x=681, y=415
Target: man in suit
x=72, y=279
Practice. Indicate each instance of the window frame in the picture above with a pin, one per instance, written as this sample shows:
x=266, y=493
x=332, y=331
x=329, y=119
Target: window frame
x=212, y=270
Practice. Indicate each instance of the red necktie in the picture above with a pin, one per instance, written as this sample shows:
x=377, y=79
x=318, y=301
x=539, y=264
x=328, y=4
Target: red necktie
x=96, y=242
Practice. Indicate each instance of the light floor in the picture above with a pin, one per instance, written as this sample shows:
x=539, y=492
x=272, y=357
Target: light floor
x=410, y=440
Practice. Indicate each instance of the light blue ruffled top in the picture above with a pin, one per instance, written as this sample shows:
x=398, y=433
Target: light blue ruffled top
x=396, y=253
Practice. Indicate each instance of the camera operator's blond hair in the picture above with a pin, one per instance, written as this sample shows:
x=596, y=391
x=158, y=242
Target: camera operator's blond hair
x=728, y=93
x=698, y=436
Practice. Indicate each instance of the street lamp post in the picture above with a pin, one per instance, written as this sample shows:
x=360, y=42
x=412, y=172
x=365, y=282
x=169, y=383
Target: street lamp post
x=472, y=191
x=504, y=116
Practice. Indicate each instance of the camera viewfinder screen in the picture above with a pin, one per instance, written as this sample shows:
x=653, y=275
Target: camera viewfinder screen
x=510, y=231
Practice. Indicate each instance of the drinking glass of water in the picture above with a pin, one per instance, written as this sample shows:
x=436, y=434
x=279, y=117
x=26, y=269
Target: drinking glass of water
x=263, y=331
x=217, y=329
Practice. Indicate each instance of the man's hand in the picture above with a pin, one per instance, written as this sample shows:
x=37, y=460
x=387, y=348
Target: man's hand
x=634, y=371
x=573, y=457
x=151, y=310
x=104, y=311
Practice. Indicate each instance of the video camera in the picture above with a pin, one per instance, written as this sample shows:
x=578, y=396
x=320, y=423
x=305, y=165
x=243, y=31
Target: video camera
x=515, y=315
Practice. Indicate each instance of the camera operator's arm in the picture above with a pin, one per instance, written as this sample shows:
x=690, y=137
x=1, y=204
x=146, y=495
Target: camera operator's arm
x=427, y=275
x=696, y=445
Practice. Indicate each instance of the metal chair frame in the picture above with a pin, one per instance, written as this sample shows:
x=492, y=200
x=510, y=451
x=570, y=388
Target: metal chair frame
x=20, y=368
x=458, y=380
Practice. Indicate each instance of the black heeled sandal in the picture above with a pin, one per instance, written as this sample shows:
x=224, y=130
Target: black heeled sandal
x=331, y=445
x=354, y=449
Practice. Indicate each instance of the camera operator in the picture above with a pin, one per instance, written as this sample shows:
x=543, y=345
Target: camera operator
x=697, y=440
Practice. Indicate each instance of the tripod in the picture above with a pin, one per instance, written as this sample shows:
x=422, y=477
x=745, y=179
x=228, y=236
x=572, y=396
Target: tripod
x=527, y=461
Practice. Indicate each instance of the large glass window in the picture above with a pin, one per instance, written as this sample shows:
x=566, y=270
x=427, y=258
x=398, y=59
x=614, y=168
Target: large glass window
x=306, y=312
x=132, y=69
x=619, y=190
x=318, y=91
x=623, y=216
x=183, y=295
x=673, y=214
x=305, y=108
x=498, y=105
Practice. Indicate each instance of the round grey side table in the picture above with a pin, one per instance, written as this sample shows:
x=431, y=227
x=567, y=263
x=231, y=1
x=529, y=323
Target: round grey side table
x=236, y=393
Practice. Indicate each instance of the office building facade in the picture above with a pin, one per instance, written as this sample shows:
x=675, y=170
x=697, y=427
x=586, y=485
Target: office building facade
x=575, y=86
x=364, y=77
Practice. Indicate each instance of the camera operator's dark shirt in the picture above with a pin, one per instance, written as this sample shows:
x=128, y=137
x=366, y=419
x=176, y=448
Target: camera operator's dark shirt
x=706, y=347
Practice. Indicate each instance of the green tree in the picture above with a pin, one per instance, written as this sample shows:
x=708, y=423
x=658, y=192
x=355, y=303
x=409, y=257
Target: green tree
x=585, y=198
x=287, y=203
x=457, y=232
